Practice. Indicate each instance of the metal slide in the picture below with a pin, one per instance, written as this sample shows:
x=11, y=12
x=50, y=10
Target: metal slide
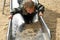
x=45, y=32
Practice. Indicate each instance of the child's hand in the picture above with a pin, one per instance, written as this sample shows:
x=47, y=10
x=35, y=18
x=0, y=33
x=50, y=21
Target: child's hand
x=10, y=16
x=40, y=14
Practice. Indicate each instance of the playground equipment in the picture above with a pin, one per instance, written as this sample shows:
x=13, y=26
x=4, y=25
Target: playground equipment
x=4, y=1
x=45, y=32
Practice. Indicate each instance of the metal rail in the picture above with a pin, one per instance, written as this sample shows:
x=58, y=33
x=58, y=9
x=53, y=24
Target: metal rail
x=4, y=1
x=45, y=28
x=9, y=34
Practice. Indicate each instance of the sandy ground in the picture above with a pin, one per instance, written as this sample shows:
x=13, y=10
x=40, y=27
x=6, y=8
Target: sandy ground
x=51, y=16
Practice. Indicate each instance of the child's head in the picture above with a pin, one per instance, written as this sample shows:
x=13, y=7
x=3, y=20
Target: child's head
x=29, y=7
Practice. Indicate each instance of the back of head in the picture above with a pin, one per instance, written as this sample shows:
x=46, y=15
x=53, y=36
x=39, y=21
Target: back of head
x=23, y=2
x=29, y=4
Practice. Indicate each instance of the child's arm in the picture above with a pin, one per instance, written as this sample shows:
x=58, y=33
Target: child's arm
x=14, y=11
x=41, y=9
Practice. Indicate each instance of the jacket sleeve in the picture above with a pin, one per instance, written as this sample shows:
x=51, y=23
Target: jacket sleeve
x=40, y=8
x=20, y=1
x=15, y=10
